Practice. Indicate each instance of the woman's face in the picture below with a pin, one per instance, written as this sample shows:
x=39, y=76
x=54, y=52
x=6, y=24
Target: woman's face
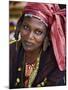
x=32, y=33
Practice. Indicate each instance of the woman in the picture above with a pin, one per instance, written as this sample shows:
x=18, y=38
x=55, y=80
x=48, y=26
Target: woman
x=39, y=57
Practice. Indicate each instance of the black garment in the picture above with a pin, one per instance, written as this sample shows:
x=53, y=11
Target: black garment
x=48, y=69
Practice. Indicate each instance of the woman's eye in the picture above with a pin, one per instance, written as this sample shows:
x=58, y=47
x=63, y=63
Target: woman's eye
x=25, y=27
x=38, y=32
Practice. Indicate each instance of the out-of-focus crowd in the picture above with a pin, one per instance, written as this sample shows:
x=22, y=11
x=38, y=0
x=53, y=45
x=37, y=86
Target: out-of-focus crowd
x=15, y=11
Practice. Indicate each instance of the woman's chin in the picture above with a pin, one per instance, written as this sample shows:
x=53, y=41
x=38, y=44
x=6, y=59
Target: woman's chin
x=28, y=49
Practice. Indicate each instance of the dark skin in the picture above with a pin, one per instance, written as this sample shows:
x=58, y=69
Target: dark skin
x=32, y=32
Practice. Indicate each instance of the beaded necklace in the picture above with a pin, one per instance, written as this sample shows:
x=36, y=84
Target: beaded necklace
x=32, y=72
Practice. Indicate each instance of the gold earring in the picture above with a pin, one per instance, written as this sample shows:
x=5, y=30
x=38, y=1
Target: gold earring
x=45, y=43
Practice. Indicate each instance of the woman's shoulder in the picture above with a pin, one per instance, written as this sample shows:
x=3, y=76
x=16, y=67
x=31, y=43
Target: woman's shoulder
x=13, y=45
x=12, y=62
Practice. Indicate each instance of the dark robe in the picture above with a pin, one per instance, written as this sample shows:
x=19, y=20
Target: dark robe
x=48, y=71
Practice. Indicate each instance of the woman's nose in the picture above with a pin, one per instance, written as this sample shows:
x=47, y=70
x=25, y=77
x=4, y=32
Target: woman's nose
x=31, y=35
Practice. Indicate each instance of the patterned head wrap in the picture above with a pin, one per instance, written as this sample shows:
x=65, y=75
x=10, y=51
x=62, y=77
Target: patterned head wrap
x=52, y=16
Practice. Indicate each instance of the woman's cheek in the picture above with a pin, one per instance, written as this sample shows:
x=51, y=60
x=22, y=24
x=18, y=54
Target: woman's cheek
x=23, y=35
x=39, y=39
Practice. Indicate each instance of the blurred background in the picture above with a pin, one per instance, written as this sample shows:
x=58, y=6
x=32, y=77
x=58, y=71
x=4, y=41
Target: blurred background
x=15, y=11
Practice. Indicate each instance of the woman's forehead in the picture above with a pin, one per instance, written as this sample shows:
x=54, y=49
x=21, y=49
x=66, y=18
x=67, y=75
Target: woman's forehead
x=34, y=21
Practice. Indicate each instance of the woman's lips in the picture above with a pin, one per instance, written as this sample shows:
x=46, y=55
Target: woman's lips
x=28, y=43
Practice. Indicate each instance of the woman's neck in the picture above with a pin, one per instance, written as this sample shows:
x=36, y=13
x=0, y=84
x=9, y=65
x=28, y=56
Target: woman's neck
x=31, y=56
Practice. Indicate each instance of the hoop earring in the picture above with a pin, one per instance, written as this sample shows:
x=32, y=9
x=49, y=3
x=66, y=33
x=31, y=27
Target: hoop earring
x=45, y=43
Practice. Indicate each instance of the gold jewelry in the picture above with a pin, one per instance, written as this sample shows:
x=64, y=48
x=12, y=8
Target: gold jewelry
x=34, y=72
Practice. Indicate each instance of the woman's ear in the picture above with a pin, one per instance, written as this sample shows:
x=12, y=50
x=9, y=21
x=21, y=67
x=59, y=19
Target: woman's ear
x=45, y=43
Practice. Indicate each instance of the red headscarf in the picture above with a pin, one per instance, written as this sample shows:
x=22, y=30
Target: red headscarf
x=52, y=16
